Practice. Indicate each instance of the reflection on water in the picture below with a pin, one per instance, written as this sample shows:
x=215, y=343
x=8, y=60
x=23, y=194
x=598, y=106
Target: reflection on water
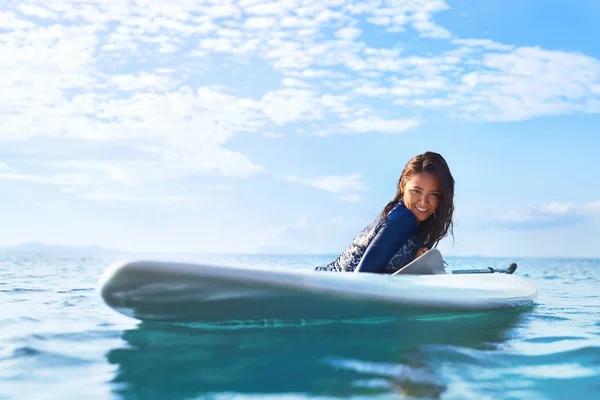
x=332, y=359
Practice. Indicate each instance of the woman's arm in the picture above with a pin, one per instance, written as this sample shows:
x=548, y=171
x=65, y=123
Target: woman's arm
x=421, y=251
x=391, y=236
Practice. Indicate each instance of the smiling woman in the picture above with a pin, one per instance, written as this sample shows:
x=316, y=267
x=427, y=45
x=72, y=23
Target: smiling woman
x=418, y=217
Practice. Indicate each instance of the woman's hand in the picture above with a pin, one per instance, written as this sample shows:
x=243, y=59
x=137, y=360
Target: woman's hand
x=421, y=251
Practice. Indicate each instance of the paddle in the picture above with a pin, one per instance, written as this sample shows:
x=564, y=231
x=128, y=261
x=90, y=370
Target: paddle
x=489, y=270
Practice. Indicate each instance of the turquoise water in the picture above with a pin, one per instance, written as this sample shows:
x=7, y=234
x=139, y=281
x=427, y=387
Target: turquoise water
x=59, y=341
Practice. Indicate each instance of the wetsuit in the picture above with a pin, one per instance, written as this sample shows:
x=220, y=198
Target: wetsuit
x=382, y=247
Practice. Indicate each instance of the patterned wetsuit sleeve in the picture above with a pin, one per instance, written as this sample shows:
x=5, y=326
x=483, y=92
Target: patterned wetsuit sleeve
x=392, y=235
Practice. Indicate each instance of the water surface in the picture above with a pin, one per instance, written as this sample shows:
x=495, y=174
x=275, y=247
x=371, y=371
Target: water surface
x=59, y=341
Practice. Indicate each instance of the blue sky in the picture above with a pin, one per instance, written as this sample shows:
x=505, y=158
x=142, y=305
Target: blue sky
x=256, y=126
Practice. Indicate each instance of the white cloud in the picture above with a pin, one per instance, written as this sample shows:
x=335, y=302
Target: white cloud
x=221, y=10
x=5, y=167
x=190, y=125
x=102, y=195
x=265, y=8
x=557, y=208
x=290, y=105
x=180, y=161
x=220, y=186
x=396, y=15
x=316, y=73
x=431, y=103
x=140, y=76
x=260, y=23
x=294, y=82
x=362, y=125
x=592, y=208
x=345, y=186
x=532, y=216
x=106, y=196
x=142, y=81
x=530, y=82
x=219, y=45
x=116, y=173
x=371, y=91
x=352, y=198
x=483, y=43
x=37, y=11
x=273, y=135
x=70, y=179
x=348, y=33
x=422, y=23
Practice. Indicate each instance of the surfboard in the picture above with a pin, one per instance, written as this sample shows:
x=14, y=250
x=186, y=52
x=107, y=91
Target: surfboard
x=430, y=263
x=154, y=290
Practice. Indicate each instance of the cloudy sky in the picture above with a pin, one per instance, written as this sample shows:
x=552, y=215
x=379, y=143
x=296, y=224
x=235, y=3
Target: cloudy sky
x=282, y=126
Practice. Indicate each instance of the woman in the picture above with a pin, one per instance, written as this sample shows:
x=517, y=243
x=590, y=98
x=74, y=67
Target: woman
x=417, y=218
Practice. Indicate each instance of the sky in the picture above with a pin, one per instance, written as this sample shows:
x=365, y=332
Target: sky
x=255, y=126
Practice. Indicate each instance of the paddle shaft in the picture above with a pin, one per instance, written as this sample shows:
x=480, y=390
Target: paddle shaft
x=489, y=270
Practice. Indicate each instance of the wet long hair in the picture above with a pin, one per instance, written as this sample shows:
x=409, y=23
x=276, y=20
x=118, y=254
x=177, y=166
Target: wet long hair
x=437, y=226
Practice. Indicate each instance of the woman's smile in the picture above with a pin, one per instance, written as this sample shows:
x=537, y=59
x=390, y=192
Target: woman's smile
x=422, y=195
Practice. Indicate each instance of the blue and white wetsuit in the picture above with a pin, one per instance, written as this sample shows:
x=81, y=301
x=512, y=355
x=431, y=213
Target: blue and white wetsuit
x=382, y=247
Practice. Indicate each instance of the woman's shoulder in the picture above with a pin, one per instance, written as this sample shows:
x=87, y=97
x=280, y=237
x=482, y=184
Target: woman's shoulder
x=401, y=214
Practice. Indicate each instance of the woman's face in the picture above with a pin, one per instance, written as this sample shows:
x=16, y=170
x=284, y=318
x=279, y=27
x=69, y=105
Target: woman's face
x=422, y=194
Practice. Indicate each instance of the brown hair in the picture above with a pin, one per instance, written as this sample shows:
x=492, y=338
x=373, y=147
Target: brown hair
x=436, y=227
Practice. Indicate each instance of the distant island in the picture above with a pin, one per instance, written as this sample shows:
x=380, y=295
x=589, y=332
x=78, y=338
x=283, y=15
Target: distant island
x=36, y=247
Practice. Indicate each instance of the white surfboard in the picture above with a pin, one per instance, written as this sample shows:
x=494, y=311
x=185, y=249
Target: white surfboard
x=430, y=263
x=176, y=291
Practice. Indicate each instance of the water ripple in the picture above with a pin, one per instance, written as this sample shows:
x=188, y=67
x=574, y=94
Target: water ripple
x=57, y=337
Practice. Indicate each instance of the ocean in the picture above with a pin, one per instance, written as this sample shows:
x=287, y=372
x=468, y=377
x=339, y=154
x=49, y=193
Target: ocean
x=58, y=340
